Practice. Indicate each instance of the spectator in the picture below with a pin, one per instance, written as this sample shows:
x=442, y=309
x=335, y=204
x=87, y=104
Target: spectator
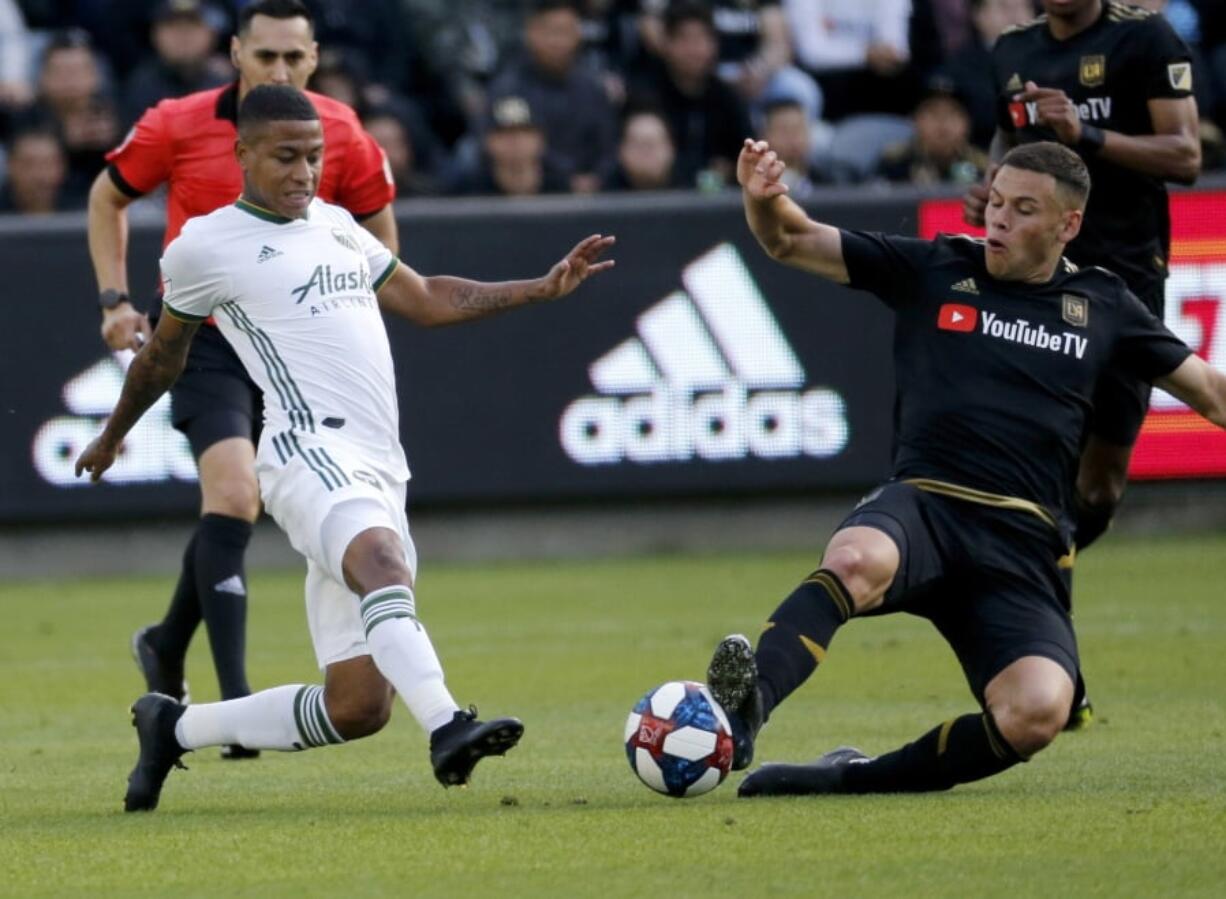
x=514, y=162
x=966, y=68
x=184, y=35
x=789, y=133
x=941, y=151
x=568, y=102
x=73, y=99
x=37, y=169
x=755, y=53
x=645, y=155
x=707, y=119
x=402, y=157
x=859, y=52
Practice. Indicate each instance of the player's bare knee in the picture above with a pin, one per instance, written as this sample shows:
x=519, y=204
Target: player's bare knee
x=237, y=497
x=359, y=713
x=864, y=569
x=1030, y=721
x=375, y=559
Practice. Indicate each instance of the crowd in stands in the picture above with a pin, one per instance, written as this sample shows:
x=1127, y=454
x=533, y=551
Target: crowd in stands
x=522, y=97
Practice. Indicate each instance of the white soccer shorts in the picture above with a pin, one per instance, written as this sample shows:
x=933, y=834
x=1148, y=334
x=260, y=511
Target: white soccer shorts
x=322, y=497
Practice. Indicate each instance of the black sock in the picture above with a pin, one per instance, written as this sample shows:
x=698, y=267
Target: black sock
x=221, y=584
x=170, y=638
x=798, y=634
x=959, y=751
x=1092, y=522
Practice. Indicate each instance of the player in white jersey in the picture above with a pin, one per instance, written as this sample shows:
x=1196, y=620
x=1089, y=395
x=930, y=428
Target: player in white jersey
x=297, y=287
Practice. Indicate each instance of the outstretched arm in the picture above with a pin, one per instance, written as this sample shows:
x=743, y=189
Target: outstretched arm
x=1201, y=386
x=783, y=229
x=151, y=373
x=446, y=300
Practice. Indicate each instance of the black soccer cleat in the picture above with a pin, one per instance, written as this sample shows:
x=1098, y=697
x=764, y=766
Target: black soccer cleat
x=154, y=716
x=732, y=677
x=233, y=752
x=457, y=746
x=1082, y=716
x=160, y=676
x=821, y=777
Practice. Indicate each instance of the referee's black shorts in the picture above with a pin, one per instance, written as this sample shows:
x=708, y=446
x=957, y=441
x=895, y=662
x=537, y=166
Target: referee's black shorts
x=1120, y=400
x=214, y=399
x=987, y=578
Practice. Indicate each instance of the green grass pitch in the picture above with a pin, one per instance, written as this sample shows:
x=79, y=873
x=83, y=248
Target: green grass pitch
x=1134, y=806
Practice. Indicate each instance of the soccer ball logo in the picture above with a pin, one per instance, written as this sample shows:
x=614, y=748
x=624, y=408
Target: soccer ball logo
x=678, y=741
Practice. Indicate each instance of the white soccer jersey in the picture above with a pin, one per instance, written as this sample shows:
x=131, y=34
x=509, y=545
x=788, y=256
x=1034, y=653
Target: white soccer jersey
x=296, y=300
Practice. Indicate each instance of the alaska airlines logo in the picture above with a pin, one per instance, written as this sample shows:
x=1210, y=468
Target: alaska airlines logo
x=153, y=451
x=710, y=375
x=323, y=280
x=957, y=317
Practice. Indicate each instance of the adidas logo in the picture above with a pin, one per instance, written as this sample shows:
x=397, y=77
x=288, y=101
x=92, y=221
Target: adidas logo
x=1014, y=84
x=967, y=285
x=266, y=253
x=709, y=375
x=233, y=584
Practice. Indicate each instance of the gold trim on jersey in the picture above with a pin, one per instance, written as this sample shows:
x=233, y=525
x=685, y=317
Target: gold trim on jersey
x=1119, y=12
x=983, y=498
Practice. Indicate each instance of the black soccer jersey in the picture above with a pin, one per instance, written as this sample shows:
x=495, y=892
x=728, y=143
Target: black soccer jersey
x=1111, y=70
x=994, y=379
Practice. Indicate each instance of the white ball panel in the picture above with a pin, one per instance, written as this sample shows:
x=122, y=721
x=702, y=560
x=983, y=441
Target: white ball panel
x=705, y=784
x=665, y=699
x=690, y=743
x=632, y=726
x=648, y=771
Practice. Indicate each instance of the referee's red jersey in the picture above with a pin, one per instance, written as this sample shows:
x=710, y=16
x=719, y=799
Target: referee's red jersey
x=188, y=143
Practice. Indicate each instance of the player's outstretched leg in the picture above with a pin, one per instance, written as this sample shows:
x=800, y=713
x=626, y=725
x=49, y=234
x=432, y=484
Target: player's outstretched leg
x=457, y=746
x=822, y=776
x=155, y=717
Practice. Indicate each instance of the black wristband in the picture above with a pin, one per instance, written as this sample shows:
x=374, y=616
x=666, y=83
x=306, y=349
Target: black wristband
x=1092, y=140
x=110, y=298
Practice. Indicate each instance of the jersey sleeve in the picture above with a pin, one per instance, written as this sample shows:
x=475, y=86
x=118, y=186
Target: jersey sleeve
x=381, y=260
x=368, y=185
x=884, y=264
x=1166, y=61
x=194, y=283
x=143, y=161
x=1145, y=347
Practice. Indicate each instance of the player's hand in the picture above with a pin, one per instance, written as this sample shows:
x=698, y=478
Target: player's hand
x=97, y=458
x=123, y=328
x=975, y=203
x=758, y=170
x=576, y=267
x=1055, y=110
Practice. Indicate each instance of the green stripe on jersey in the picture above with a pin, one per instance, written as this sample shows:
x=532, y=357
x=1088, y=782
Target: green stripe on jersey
x=387, y=273
x=182, y=316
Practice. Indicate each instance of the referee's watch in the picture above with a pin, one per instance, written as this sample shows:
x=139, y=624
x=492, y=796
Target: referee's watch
x=110, y=298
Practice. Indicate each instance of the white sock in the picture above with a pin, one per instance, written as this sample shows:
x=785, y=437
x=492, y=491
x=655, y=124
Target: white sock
x=404, y=655
x=286, y=718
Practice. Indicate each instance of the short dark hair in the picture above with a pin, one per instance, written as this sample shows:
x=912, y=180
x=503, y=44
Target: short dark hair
x=681, y=11
x=274, y=9
x=1050, y=158
x=542, y=7
x=274, y=103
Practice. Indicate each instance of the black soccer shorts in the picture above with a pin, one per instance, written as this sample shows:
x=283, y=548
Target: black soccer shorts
x=214, y=399
x=987, y=578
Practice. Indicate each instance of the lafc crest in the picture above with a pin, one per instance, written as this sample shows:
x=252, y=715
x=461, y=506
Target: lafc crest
x=1075, y=310
x=1093, y=70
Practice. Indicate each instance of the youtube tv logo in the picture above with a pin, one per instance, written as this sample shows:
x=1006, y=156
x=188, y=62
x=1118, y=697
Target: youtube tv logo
x=957, y=317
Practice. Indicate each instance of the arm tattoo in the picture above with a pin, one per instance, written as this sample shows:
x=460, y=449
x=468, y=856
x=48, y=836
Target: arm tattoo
x=481, y=299
x=153, y=370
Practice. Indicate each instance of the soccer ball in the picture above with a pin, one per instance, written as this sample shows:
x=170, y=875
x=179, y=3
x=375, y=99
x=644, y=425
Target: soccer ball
x=678, y=740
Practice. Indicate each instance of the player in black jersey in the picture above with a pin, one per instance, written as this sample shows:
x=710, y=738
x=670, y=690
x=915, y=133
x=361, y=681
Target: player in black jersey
x=998, y=346
x=1113, y=82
